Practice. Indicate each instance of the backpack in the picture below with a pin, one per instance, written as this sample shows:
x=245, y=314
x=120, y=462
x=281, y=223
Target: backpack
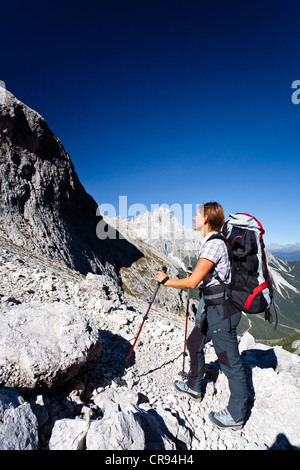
x=251, y=287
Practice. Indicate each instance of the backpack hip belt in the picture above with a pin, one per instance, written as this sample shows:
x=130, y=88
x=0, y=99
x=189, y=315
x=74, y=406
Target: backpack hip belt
x=215, y=295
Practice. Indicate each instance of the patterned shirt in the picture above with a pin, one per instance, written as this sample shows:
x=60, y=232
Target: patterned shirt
x=215, y=251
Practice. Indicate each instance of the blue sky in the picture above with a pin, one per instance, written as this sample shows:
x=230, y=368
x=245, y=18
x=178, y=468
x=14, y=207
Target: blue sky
x=175, y=102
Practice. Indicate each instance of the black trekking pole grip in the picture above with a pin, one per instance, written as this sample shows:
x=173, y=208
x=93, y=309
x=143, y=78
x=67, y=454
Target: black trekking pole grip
x=164, y=269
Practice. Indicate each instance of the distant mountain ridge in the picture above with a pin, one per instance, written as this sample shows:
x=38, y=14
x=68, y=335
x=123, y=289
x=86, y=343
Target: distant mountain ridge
x=289, y=252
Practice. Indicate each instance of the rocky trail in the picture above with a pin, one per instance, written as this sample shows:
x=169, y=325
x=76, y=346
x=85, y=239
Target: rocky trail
x=111, y=405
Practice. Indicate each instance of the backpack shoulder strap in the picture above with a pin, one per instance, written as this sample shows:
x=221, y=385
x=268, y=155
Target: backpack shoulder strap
x=220, y=236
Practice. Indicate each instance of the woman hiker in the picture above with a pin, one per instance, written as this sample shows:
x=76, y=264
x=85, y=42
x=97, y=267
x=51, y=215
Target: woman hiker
x=216, y=321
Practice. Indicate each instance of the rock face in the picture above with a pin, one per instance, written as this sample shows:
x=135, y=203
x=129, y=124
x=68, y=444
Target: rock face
x=18, y=423
x=43, y=205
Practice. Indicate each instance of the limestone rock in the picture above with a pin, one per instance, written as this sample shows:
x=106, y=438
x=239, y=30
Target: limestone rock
x=45, y=344
x=119, y=431
x=69, y=434
x=18, y=424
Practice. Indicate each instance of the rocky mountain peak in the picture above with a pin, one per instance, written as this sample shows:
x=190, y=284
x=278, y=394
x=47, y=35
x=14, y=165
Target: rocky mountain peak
x=43, y=205
x=165, y=232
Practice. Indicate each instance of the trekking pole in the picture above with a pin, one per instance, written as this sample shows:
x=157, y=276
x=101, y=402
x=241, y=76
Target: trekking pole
x=183, y=373
x=164, y=269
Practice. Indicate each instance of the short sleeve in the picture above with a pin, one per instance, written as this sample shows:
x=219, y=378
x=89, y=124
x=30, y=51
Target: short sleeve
x=212, y=250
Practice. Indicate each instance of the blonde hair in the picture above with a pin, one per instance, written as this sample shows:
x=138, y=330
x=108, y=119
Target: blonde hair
x=215, y=214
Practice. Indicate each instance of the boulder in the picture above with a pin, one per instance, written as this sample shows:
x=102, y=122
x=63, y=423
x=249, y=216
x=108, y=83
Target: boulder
x=18, y=424
x=44, y=345
x=69, y=434
x=121, y=430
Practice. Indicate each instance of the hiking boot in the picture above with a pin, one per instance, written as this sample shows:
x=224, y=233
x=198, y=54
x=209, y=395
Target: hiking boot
x=223, y=419
x=183, y=388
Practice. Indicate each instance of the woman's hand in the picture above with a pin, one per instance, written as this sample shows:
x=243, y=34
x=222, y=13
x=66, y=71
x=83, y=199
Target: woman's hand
x=202, y=268
x=160, y=276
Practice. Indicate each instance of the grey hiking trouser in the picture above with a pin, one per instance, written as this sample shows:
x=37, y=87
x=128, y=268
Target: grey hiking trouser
x=214, y=326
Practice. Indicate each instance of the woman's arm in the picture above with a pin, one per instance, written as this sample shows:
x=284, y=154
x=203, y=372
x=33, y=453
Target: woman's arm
x=202, y=268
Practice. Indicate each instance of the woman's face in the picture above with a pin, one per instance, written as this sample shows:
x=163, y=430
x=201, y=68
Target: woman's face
x=199, y=221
